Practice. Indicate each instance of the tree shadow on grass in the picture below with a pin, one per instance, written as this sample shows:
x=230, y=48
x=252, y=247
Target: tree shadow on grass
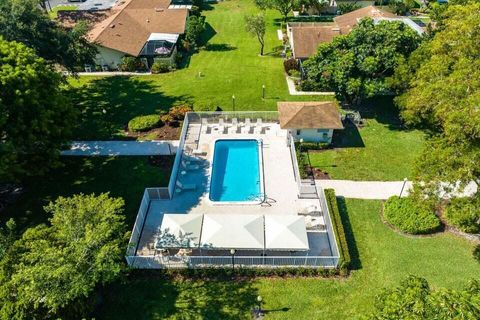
x=382, y=109
x=356, y=263
x=349, y=137
x=146, y=297
x=107, y=104
x=207, y=35
x=124, y=177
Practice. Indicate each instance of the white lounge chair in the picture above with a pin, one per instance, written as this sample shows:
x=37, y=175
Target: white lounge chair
x=205, y=127
x=221, y=125
x=235, y=126
x=185, y=187
x=258, y=126
x=248, y=125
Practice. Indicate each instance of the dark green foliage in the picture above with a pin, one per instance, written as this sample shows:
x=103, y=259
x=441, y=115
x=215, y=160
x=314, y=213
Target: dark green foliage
x=195, y=28
x=51, y=270
x=476, y=253
x=227, y=273
x=464, y=213
x=338, y=229
x=401, y=7
x=161, y=67
x=290, y=64
x=8, y=236
x=23, y=21
x=145, y=123
x=348, y=7
x=357, y=65
x=441, y=95
x=131, y=64
x=409, y=217
x=306, y=146
x=36, y=118
x=414, y=299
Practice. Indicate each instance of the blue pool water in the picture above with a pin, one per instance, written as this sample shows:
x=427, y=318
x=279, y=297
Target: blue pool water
x=236, y=171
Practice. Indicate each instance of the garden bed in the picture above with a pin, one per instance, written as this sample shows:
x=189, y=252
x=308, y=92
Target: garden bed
x=166, y=132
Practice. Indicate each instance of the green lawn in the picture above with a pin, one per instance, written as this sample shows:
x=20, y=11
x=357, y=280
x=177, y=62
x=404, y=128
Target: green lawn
x=54, y=13
x=229, y=64
x=381, y=259
x=125, y=177
x=382, y=150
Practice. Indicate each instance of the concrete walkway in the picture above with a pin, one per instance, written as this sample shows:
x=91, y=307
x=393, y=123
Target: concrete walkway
x=365, y=189
x=121, y=148
x=293, y=90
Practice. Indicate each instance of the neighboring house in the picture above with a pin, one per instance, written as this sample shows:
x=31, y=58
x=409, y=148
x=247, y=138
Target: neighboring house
x=305, y=38
x=310, y=121
x=147, y=29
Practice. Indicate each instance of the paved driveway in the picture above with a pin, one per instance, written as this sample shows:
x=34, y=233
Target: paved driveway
x=121, y=148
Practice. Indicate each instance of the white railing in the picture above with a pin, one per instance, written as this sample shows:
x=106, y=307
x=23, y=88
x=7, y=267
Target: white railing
x=178, y=158
x=306, y=189
x=138, y=226
x=266, y=116
x=160, y=262
x=328, y=222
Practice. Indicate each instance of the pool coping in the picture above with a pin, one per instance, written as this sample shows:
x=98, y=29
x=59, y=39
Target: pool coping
x=261, y=174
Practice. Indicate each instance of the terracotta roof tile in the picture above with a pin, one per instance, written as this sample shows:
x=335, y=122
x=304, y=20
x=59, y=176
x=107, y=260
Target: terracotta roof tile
x=306, y=39
x=349, y=20
x=309, y=115
x=130, y=27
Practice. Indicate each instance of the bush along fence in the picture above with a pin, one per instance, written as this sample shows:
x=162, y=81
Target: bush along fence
x=339, y=230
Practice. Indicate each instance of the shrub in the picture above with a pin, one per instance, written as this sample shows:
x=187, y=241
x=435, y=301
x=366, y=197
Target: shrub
x=178, y=111
x=161, y=67
x=144, y=123
x=131, y=64
x=464, y=213
x=409, y=217
x=305, y=146
x=195, y=28
x=295, y=74
x=339, y=230
x=167, y=119
x=476, y=253
x=289, y=65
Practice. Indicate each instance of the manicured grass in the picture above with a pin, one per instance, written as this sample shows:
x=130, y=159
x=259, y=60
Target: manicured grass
x=382, y=150
x=229, y=64
x=125, y=177
x=54, y=13
x=381, y=258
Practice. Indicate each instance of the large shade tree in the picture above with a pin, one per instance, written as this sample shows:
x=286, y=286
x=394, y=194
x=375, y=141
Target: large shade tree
x=36, y=118
x=51, y=271
x=442, y=94
x=357, y=65
x=23, y=21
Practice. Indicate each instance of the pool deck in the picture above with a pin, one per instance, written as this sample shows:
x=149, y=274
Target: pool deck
x=281, y=189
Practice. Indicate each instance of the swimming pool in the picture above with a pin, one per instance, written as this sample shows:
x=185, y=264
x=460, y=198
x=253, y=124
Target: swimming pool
x=237, y=171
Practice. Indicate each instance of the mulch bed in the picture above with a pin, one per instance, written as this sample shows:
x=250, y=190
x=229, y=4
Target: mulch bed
x=164, y=133
x=319, y=174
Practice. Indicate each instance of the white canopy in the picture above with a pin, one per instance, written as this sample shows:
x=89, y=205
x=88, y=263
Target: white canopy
x=170, y=37
x=232, y=231
x=285, y=232
x=180, y=231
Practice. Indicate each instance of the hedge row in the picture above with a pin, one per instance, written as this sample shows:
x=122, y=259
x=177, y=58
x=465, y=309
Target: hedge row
x=408, y=217
x=339, y=230
x=306, y=146
x=228, y=273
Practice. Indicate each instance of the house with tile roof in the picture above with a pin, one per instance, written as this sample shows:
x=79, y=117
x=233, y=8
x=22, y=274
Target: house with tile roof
x=147, y=29
x=305, y=38
x=312, y=121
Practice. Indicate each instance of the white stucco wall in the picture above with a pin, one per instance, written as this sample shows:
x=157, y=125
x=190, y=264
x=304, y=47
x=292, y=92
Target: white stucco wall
x=312, y=135
x=109, y=56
